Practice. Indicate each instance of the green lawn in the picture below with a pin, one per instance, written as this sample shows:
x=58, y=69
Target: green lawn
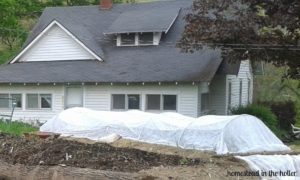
x=16, y=128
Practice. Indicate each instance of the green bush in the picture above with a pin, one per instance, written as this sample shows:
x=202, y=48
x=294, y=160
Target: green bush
x=285, y=112
x=263, y=113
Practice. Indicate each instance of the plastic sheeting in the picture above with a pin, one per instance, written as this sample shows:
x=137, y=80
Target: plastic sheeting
x=222, y=134
x=283, y=167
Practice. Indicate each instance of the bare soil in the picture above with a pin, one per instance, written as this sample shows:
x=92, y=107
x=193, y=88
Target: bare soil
x=61, y=158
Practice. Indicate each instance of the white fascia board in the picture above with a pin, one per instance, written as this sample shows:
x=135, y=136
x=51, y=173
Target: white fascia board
x=41, y=35
x=173, y=21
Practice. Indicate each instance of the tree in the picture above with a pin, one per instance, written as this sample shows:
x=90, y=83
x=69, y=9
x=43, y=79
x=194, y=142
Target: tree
x=11, y=32
x=259, y=30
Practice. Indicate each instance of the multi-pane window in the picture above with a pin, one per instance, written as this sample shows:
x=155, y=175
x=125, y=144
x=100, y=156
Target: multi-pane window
x=135, y=39
x=39, y=101
x=125, y=101
x=8, y=100
x=161, y=102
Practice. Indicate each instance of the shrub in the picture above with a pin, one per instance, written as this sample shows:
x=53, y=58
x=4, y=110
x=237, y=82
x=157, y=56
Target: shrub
x=263, y=113
x=285, y=113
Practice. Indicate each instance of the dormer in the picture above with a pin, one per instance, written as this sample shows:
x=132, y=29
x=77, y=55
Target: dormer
x=142, y=28
x=138, y=39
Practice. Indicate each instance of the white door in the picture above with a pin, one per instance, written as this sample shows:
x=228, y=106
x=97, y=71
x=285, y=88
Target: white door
x=73, y=97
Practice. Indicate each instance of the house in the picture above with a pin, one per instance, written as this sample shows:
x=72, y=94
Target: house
x=119, y=57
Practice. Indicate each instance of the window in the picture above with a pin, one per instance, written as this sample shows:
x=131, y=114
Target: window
x=241, y=92
x=161, y=102
x=7, y=100
x=4, y=100
x=229, y=96
x=249, y=90
x=118, y=101
x=39, y=101
x=128, y=39
x=133, y=101
x=135, y=39
x=125, y=102
x=17, y=99
x=153, y=102
x=46, y=101
x=204, y=102
x=146, y=38
x=170, y=102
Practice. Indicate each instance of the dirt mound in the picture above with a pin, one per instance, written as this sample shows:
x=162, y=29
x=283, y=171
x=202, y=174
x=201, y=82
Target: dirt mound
x=101, y=156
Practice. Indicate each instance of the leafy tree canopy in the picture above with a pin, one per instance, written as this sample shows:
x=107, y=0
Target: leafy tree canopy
x=259, y=30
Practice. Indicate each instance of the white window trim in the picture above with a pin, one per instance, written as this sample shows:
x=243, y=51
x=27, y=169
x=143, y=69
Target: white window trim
x=156, y=40
x=161, y=108
x=9, y=96
x=126, y=101
x=39, y=101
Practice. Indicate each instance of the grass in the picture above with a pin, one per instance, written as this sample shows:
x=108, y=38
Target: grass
x=16, y=128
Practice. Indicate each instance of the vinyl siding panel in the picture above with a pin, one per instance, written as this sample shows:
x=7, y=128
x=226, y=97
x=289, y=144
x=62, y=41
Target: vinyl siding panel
x=244, y=75
x=56, y=45
x=99, y=97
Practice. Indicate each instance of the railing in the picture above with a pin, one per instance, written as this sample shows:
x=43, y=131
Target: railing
x=12, y=105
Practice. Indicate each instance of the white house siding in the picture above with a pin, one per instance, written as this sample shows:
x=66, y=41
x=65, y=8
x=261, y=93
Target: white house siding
x=33, y=115
x=219, y=90
x=56, y=45
x=244, y=75
x=99, y=97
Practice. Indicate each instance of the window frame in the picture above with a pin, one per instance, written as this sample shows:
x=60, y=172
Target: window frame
x=9, y=96
x=39, y=101
x=229, y=99
x=161, y=105
x=241, y=92
x=145, y=44
x=126, y=102
x=136, y=40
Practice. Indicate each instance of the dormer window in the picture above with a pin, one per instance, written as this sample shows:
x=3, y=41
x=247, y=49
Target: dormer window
x=128, y=39
x=138, y=39
x=146, y=38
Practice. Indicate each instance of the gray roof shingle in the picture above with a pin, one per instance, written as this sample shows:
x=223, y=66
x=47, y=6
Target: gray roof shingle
x=150, y=20
x=162, y=63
